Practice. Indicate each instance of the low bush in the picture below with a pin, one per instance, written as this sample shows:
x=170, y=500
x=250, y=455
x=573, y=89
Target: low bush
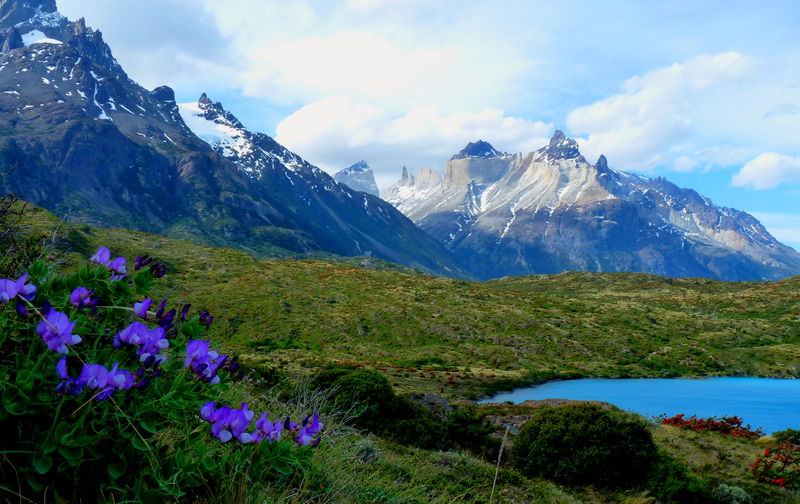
x=731, y=426
x=584, y=444
x=787, y=436
x=779, y=466
x=401, y=419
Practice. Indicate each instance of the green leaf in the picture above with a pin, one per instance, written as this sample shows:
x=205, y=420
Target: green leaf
x=42, y=463
x=117, y=469
x=73, y=455
x=14, y=401
x=152, y=497
x=209, y=464
x=34, y=482
x=138, y=443
x=150, y=420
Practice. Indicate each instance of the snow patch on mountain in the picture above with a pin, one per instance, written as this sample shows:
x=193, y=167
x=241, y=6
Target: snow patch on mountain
x=37, y=37
x=217, y=133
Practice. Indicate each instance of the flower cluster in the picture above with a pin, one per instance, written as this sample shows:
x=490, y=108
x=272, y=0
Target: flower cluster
x=228, y=423
x=731, y=426
x=10, y=289
x=116, y=266
x=203, y=362
x=95, y=377
x=149, y=341
x=779, y=466
x=56, y=331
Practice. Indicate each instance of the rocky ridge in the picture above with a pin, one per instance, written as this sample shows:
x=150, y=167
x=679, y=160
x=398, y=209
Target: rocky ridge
x=551, y=211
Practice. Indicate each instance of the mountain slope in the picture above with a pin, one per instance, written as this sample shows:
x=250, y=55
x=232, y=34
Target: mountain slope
x=81, y=138
x=552, y=211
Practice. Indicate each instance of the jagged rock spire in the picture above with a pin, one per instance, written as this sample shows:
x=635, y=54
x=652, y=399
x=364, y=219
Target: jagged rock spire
x=561, y=147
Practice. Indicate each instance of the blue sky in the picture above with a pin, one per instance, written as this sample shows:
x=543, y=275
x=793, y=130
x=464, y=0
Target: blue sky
x=706, y=94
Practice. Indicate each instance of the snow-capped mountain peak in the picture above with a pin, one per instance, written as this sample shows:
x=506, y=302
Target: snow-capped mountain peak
x=208, y=121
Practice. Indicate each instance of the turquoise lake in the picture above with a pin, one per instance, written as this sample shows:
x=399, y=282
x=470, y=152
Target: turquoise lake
x=770, y=404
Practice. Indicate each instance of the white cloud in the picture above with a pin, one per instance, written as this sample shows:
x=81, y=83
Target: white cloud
x=335, y=132
x=637, y=128
x=767, y=171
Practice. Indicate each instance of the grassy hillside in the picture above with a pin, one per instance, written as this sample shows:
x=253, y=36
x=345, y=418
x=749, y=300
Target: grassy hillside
x=461, y=340
x=464, y=338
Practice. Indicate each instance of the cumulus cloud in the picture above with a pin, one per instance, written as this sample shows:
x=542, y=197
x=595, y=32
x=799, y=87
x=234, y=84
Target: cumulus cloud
x=335, y=132
x=767, y=171
x=636, y=129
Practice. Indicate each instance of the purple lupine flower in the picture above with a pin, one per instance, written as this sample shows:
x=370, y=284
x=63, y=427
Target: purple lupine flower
x=238, y=421
x=166, y=319
x=206, y=318
x=141, y=261
x=158, y=270
x=305, y=436
x=203, y=362
x=56, y=331
x=118, y=269
x=68, y=384
x=135, y=334
x=101, y=256
x=21, y=310
x=94, y=376
x=141, y=308
x=121, y=379
x=26, y=291
x=228, y=423
x=185, y=312
x=271, y=431
x=154, y=342
x=80, y=297
x=150, y=342
x=97, y=377
x=8, y=290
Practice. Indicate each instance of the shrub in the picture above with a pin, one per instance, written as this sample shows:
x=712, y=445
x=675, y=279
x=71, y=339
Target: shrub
x=731, y=426
x=580, y=444
x=104, y=394
x=729, y=494
x=670, y=482
x=787, y=436
x=368, y=392
x=402, y=419
x=779, y=466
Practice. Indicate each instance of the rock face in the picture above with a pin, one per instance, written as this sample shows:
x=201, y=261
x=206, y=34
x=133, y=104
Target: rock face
x=83, y=140
x=552, y=211
x=358, y=177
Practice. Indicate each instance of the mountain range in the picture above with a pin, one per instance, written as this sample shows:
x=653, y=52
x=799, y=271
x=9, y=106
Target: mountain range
x=551, y=211
x=79, y=137
x=82, y=139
